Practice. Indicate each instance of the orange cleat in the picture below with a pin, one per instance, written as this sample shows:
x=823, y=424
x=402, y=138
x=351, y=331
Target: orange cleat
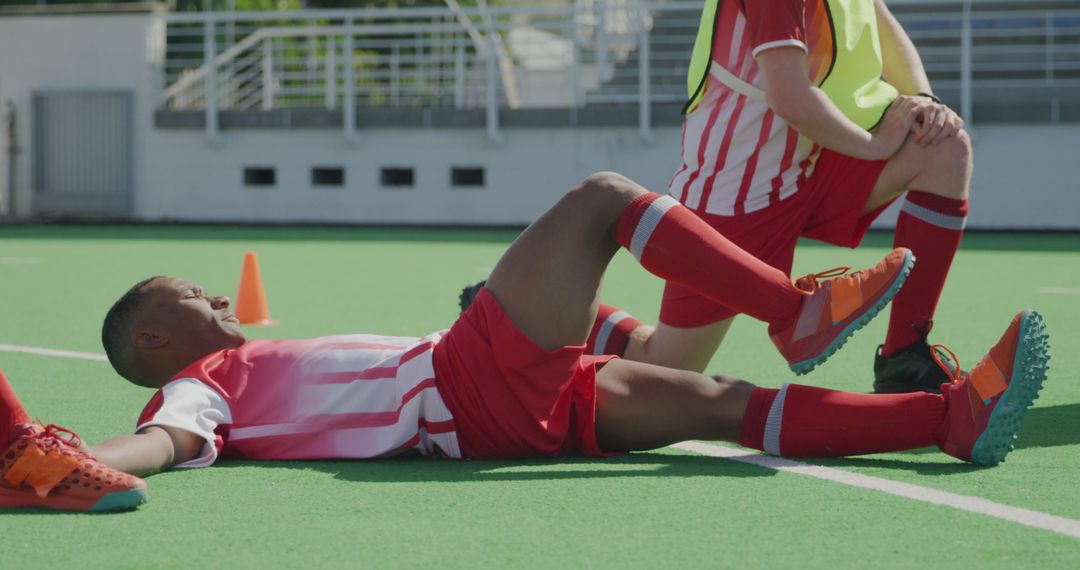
x=833, y=310
x=986, y=405
x=44, y=470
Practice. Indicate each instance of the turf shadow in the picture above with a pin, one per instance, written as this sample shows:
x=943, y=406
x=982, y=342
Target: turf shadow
x=1050, y=426
x=53, y=512
x=947, y=465
x=418, y=469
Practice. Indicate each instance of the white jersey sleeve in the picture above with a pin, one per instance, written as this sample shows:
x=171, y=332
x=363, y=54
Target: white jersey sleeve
x=192, y=406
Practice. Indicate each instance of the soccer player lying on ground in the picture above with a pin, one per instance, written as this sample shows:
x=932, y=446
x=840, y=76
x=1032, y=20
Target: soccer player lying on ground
x=509, y=378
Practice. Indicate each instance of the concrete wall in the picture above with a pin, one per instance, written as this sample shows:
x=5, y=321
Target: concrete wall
x=74, y=52
x=1023, y=174
x=1022, y=178
x=194, y=180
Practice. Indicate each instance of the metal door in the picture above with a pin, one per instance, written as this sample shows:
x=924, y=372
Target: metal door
x=82, y=153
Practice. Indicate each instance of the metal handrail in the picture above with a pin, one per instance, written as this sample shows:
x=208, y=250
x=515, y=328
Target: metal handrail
x=615, y=51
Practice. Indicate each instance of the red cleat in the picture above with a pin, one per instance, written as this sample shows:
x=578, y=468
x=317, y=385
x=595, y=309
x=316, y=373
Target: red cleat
x=986, y=405
x=833, y=310
x=44, y=470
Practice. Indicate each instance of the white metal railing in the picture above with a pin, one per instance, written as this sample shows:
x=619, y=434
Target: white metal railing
x=422, y=57
x=589, y=51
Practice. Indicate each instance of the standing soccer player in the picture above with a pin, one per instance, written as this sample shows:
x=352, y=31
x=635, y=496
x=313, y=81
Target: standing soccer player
x=807, y=118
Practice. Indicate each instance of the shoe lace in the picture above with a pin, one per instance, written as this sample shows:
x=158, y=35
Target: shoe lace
x=55, y=437
x=936, y=351
x=807, y=284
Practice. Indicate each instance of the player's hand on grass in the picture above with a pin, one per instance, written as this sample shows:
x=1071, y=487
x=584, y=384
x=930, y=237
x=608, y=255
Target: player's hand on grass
x=899, y=119
x=935, y=123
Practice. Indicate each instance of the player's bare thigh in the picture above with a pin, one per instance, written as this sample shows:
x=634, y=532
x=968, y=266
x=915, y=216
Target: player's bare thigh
x=548, y=280
x=674, y=347
x=641, y=406
x=943, y=169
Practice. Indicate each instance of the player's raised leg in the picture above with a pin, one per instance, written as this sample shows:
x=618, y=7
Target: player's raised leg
x=548, y=280
x=674, y=243
x=931, y=223
x=641, y=406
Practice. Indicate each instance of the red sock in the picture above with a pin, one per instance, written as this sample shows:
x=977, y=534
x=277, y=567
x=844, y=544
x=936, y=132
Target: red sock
x=611, y=331
x=797, y=421
x=11, y=410
x=673, y=243
x=931, y=227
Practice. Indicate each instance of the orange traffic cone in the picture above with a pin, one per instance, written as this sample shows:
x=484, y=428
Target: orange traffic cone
x=251, y=306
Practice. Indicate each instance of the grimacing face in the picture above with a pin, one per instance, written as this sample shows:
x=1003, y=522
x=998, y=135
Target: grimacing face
x=189, y=317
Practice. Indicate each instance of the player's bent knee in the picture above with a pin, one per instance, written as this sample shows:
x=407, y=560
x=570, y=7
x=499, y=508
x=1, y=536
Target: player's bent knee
x=958, y=147
x=951, y=161
x=952, y=153
x=602, y=188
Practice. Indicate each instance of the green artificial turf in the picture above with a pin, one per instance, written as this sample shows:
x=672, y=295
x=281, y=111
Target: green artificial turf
x=660, y=509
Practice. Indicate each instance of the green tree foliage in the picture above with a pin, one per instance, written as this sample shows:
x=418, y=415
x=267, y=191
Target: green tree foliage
x=238, y=5
x=259, y=5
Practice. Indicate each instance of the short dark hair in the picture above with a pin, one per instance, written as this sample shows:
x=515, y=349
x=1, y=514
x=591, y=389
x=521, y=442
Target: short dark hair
x=116, y=333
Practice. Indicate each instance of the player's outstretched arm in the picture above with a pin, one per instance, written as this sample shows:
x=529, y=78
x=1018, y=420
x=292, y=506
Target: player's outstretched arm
x=152, y=450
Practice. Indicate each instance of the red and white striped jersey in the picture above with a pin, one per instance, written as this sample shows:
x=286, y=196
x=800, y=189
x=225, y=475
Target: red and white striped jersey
x=738, y=156
x=355, y=396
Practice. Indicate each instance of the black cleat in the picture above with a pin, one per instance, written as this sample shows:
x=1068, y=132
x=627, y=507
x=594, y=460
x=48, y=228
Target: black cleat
x=911, y=369
x=468, y=294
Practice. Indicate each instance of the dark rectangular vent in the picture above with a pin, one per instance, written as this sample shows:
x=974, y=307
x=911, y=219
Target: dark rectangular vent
x=259, y=176
x=471, y=176
x=327, y=176
x=396, y=177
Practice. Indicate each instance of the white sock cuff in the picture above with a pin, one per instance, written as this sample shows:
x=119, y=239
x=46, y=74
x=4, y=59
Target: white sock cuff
x=771, y=439
x=604, y=333
x=929, y=216
x=648, y=222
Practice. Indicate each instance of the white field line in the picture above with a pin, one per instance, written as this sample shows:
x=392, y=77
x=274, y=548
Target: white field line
x=51, y=352
x=977, y=505
x=1059, y=291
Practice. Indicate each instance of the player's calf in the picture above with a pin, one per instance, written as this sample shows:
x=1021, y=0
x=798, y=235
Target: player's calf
x=944, y=169
x=931, y=224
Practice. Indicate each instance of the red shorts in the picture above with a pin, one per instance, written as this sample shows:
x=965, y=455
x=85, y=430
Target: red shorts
x=828, y=208
x=510, y=398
